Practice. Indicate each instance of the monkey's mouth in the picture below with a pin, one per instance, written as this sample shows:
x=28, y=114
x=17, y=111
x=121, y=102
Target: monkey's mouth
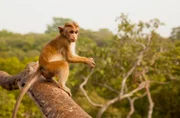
x=73, y=40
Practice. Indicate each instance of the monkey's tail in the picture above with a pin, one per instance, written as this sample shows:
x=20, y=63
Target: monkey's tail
x=32, y=80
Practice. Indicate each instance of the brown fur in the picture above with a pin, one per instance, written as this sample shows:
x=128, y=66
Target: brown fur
x=55, y=58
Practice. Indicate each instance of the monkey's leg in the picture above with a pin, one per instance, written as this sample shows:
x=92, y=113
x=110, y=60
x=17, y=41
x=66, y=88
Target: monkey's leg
x=63, y=77
x=61, y=70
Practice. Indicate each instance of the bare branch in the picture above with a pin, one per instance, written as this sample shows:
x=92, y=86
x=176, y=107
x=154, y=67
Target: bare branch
x=151, y=103
x=105, y=106
x=84, y=92
x=140, y=87
x=121, y=93
x=131, y=101
x=139, y=59
x=149, y=39
x=141, y=44
x=161, y=83
x=172, y=77
x=118, y=98
x=109, y=88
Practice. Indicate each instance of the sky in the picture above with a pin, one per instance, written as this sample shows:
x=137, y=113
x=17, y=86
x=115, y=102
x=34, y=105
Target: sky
x=24, y=16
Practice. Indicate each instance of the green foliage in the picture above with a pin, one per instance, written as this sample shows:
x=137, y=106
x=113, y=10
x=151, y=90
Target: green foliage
x=6, y=102
x=175, y=34
x=56, y=22
x=114, y=56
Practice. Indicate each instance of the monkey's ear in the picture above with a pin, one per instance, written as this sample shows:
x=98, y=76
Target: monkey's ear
x=60, y=29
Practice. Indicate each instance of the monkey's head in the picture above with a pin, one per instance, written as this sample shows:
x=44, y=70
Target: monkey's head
x=70, y=31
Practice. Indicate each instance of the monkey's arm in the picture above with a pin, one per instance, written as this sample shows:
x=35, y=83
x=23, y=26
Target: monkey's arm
x=74, y=58
x=77, y=59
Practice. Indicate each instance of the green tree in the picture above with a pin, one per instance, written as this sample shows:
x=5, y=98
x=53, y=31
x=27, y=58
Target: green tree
x=56, y=22
x=175, y=34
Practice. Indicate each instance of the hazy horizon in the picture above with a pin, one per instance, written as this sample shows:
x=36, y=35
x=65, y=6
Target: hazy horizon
x=24, y=16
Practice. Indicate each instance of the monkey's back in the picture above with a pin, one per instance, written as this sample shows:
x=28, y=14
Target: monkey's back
x=53, y=51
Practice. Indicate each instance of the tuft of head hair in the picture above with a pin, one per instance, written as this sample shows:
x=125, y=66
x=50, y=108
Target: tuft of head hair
x=71, y=24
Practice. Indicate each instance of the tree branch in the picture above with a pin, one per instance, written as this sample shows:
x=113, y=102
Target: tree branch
x=84, y=92
x=52, y=101
x=151, y=103
x=131, y=101
x=139, y=59
x=118, y=98
x=108, y=87
x=123, y=85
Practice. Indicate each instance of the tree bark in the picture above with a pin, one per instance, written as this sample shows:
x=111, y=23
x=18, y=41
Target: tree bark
x=52, y=101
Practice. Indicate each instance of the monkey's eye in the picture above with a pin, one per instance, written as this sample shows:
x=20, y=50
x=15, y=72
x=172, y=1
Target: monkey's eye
x=76, y=32
x=71, y=32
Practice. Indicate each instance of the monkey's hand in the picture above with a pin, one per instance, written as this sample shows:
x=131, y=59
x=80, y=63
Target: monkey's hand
x=90, y=62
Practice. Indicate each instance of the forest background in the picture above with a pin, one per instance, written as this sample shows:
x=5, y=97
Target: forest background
x=135, y=60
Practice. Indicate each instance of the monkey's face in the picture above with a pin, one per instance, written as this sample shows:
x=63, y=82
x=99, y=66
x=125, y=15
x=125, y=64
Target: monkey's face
x=72, y=34
x=70, y=31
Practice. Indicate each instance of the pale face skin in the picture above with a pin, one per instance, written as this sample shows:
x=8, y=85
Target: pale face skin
x=72, y=34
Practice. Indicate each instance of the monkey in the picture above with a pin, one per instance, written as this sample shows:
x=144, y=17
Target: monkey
x=54, y=60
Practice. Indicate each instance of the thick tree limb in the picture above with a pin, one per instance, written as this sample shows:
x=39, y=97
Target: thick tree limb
x=52, y=101
x=7, y=81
